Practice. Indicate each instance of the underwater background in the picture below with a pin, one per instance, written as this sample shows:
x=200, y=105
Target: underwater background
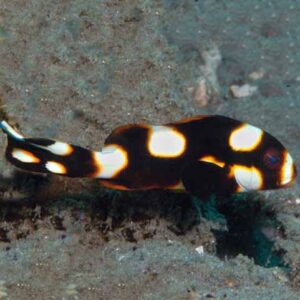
x=75, y=70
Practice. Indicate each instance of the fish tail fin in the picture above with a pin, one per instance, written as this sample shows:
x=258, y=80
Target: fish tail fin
x=10, y=131
x=49, y=156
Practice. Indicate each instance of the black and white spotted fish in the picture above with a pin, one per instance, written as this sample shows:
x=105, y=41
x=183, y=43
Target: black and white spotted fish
x=202, y=155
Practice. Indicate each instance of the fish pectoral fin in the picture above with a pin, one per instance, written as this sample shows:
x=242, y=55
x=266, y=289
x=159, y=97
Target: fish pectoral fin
x=203, y=179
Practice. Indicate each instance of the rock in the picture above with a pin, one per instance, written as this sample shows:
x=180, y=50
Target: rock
x=243, y=90
x=257, y=74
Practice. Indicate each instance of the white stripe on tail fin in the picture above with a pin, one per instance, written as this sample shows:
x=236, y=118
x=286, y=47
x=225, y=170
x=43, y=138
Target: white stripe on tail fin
x=10, y=131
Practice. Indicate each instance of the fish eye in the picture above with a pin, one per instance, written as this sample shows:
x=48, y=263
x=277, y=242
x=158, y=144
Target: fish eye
x=272, y=159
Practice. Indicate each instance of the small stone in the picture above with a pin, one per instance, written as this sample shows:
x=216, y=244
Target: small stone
x=71, y=290
x=200, y=250
x=3, y=290
x=200, y=93
x=243, y=90
x=257, y=75
x=207, y=87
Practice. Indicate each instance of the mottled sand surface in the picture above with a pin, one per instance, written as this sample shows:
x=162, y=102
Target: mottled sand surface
x=74, y=70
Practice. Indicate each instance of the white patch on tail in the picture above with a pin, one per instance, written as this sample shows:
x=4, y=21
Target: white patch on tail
x=10, y=131
x=55, y=167
x=24, y=156
x=60, y=148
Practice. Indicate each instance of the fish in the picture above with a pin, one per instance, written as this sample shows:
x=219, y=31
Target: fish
x=200, y=155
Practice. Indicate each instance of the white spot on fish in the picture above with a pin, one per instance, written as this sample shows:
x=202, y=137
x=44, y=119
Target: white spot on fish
x=110, y=161
x=248, y=178
x=24, y=156
x=245, y=138
x=60, y=148
x=55, y=167
x=166, y=142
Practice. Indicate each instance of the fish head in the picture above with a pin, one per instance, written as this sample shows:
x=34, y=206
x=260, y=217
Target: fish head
x=276, y=163
x=261, y=160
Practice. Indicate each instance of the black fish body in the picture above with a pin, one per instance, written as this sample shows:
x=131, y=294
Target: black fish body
x=202, y=155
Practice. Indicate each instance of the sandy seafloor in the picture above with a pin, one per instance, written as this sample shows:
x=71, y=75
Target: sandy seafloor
x=74, y=70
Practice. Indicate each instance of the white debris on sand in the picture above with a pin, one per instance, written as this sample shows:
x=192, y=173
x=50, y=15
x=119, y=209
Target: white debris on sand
x=207, y=86
x=257, y=74
x=200, y=93
x=200, y=250
x=3, y=290
x=240, y=91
